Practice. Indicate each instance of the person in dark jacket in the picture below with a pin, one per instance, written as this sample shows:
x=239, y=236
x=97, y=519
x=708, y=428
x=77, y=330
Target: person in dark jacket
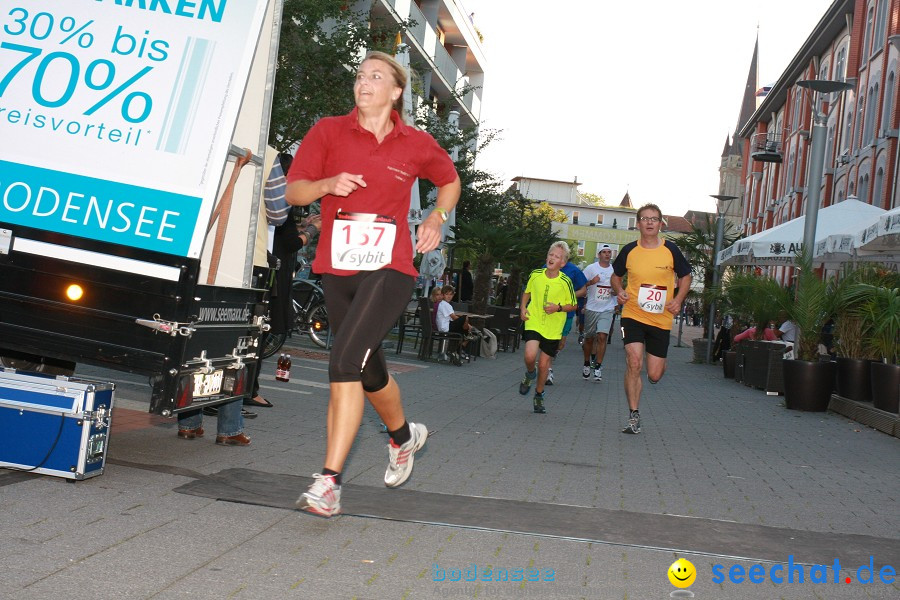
x=466, y=284
x=288, y=239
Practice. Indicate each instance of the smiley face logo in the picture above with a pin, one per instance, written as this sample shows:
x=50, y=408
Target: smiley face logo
x=682, y=573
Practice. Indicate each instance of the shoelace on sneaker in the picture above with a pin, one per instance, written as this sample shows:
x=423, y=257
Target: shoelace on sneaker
x=399, y=456
x=322, y=485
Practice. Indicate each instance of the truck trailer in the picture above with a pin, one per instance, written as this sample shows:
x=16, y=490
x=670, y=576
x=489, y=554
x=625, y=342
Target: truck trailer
x=132, y=164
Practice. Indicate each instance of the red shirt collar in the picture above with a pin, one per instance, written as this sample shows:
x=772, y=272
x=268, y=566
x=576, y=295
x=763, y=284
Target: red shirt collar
x=399, y=126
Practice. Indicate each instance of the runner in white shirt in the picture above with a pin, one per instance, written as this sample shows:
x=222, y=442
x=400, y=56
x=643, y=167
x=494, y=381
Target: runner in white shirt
x=598, y=312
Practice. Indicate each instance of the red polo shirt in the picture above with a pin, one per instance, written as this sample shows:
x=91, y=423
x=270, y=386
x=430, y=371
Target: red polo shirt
x=339, y=144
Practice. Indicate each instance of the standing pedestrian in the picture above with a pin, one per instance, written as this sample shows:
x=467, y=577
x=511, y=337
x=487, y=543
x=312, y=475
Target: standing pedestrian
x=362, y=166
x=659, y=278
x=598, y=312
x=466, y=284
x=548, y=296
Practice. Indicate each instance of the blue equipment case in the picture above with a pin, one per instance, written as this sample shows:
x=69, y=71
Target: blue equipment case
x=54, y=425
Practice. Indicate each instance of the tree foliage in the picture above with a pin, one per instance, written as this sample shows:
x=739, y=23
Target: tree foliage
x=592, y=199
x=322, y=42
x=480, y=198
x=517, y=236
x=698, y=247
x=320, y=48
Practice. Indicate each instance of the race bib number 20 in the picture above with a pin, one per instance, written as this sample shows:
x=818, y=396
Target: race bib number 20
x=362, y=241
x=652, y=298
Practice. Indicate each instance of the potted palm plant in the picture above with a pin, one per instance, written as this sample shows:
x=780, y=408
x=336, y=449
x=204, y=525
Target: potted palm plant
x=698, y=246
x=881, y=316
x=808, y=382
x=756, y=301
x=853, y=355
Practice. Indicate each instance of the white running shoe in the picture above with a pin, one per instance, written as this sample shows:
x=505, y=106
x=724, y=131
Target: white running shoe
x=400, y=464
x=598, y=374
x=586, y=372
x=323, y=497
x=634, y=423
x=549, y=378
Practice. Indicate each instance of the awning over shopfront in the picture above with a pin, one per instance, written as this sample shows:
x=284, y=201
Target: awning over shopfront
x=781, y=244
x=881, y=237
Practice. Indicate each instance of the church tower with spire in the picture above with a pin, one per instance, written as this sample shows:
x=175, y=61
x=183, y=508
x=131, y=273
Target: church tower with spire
x=731, y=165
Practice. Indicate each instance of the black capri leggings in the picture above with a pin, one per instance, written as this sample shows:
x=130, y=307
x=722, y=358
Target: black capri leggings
x=362, y=309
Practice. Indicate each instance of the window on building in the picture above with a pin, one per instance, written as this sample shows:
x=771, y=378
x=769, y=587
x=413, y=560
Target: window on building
x=848, y=130
x=580, y=250
x=879, y=187
x=574, y=217
x=600, y=219
x=887, y=109
x=870, y=25
x=829, y=148
x=632, y=222
x=863, y=194
x=798, y=106
x=871, y=107
x=789, y=181
x=880, y=23
x=860, y=121
x=840, y=65
x=769, y=189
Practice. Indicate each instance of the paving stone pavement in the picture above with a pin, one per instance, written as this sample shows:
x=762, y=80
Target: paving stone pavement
x=710, y=449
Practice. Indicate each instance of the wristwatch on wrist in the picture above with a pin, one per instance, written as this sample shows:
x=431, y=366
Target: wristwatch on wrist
x=560, y=307
x=442, y=213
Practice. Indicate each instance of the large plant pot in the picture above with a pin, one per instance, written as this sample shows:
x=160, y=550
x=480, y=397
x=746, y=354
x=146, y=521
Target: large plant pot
x=853, y=379
x=729, y=360
x=700, y=346
x=886, y=386
x=808, y=385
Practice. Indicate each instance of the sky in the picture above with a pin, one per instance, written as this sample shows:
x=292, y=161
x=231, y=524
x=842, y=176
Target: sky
x=627, y=96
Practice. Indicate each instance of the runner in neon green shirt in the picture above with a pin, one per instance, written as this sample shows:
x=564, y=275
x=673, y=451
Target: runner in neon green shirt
x=548, y=295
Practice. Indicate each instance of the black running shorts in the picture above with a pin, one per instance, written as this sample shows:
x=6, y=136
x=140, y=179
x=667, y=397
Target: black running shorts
x=655, y=340
x=548, y=347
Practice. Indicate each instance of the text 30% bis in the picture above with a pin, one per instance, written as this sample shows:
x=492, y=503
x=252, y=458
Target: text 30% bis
x=43, y=24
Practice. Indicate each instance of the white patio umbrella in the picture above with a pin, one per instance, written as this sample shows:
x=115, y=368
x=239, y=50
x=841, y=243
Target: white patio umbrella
x=781, y=244
x=881, y=240
x=739, y=252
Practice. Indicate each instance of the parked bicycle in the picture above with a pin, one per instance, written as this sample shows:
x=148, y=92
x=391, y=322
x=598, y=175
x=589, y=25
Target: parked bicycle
x=311, y=317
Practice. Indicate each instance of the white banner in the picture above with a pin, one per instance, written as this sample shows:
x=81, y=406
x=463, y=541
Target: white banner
x=116, y=115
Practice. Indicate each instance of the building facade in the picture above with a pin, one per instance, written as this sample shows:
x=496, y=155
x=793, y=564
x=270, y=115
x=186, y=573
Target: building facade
x=732, y=161
x=856, y=41
x=588, y=226
x=447, y=63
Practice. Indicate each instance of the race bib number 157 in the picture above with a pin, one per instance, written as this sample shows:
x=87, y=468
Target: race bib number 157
x=362, y=241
